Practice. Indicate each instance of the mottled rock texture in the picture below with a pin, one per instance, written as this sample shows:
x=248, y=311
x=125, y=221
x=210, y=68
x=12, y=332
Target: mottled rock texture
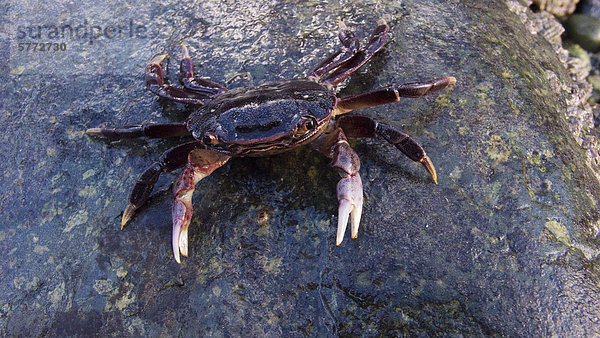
x=506, y=243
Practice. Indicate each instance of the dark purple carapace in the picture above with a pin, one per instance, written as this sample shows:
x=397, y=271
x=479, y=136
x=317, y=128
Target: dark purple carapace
x=262, y=120
x=268, y=119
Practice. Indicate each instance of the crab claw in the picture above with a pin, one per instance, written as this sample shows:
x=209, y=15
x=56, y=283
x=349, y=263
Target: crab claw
x=182, y=215
x=350, y=196
x=201, y=163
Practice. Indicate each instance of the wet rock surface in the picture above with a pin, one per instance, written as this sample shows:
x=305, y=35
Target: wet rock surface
x=506, y=243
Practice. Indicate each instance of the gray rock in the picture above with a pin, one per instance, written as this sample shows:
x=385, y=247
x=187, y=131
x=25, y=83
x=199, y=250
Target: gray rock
x=506, y=243
x=584, y=30
x=590, y=7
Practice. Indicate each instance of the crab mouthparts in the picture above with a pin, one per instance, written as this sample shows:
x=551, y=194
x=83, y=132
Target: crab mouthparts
x=280, y=142
x=262, y=147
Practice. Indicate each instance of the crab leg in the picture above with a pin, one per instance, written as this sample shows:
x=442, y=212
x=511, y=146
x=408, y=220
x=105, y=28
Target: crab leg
x=158, y=130
x=392, y=94
x=170, y=160
x=154, y=78
x=376, y=42
x=349, y=188
x=201, y=163
x=187, y=79
x=364, y=126
x=351, y=45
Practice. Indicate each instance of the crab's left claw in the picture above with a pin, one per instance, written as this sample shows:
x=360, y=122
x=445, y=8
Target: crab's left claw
x=350, y=196
x=201, y=163
x=182, y=215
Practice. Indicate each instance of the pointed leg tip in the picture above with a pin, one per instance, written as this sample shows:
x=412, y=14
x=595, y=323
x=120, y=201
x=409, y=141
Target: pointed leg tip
x=434, y=176
x=426, y=162
x=127, y=214
x=158, y=58
x=93, y=131
x=184, y=51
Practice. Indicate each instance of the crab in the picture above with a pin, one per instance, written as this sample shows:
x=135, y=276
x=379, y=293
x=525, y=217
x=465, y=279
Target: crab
x=269, y=119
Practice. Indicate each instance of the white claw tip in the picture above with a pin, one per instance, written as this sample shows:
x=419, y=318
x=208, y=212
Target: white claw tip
x=176, y=249
x=350, y=197
x=183, y=242
x=355, y=220
x=343, y=213
x=180, y=239
x=177, y=241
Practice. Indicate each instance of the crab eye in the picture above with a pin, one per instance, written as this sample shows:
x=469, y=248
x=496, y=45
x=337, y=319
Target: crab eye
x=307, y=124
x=210, y=138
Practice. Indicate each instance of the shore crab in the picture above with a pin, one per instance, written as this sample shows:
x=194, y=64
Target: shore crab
x=268, y=119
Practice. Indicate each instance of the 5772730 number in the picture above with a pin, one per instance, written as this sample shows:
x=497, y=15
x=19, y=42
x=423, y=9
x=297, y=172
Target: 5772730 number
x=42, y=47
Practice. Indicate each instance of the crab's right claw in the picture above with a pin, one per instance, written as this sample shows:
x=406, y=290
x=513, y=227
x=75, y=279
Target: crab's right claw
x=350, y=196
